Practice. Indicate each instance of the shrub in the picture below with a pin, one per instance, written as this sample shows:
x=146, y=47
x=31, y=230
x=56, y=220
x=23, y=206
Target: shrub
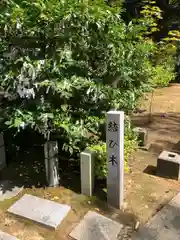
x=100, y=165
x=163, y=64
x=85, y=61
x=161, y=76
x=178, y=62
x=99, y=149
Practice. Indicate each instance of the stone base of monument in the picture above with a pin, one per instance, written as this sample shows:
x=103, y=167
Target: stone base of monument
x=96, y=227
x=168, y=165
x=142, y=135
x=45, y=212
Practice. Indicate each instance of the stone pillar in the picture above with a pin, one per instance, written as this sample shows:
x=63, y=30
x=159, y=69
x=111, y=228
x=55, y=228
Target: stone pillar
x=2, y=152
x=51, y=163
x=115, y=158
x=142, y=135
x=87, y=172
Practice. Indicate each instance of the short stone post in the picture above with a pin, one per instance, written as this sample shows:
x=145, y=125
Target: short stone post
x=142, y=135
x=51, y=163
x=115, y=158
x=87, y=172
x=2, y=152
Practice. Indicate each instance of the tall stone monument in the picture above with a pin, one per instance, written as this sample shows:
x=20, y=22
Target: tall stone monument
x=115, y=158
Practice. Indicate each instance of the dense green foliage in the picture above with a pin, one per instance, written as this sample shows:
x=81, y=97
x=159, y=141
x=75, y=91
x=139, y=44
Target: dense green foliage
x=163, y=59
x=89, y=62
x=169, y=11
x=64, y=64
x=164, y=64
x=166, y=27
x=178, y=60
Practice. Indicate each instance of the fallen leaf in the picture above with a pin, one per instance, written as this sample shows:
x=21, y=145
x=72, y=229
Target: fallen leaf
x=97, y=209
x=55, y=198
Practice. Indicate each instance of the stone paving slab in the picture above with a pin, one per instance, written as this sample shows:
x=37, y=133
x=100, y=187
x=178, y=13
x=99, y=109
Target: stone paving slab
x=8, y=189
x=6, y=236
x=165, y=225
x=96, y=227
x=39, y=210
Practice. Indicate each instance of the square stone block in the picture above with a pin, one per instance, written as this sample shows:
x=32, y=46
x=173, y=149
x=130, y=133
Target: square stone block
x=6, y=236
x=168, y=165
x=96, y=227
x=42, y=211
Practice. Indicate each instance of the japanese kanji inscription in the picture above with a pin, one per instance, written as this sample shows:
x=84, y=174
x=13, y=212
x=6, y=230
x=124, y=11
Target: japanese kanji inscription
x=115, y=157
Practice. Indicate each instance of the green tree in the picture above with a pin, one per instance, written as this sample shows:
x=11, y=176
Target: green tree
x=169, y=10
x=64, y=64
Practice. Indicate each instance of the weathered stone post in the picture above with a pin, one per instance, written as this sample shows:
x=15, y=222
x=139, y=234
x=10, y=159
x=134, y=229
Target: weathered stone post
x=87, y=172
x=2, y=152
x=51, y=163
x=115, y=158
